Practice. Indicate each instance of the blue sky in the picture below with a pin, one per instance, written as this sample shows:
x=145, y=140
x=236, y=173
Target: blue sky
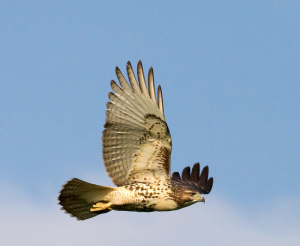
x=230, y=76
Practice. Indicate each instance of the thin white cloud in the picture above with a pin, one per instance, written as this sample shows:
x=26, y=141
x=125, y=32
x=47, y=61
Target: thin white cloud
x=25, y=222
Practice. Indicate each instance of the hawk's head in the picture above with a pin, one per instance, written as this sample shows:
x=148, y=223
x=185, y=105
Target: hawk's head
x=188, y=189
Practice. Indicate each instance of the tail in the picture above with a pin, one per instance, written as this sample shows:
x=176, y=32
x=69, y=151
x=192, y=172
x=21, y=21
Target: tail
x=77, y=198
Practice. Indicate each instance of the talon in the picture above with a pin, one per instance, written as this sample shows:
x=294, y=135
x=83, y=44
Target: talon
x=99, y=206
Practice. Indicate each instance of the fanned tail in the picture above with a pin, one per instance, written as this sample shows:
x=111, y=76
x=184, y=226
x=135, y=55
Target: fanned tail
x=77, y=198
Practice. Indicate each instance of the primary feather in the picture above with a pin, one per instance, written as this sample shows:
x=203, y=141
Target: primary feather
x=136, y=140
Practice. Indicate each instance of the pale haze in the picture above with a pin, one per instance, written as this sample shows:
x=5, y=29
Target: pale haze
x=230, y=77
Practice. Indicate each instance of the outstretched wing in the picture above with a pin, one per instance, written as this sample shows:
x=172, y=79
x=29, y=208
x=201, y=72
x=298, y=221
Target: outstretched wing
x=136, y=140
x=193, y=180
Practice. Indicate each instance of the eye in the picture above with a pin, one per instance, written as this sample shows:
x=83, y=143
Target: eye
x=192, y=194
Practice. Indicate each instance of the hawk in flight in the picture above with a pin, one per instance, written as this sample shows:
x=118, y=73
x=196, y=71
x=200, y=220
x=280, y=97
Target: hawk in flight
x=137, y=153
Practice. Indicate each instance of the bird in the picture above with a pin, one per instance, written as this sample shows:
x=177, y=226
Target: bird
x=136, y=151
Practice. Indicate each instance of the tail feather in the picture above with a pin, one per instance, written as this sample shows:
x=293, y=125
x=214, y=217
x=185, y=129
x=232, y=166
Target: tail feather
x=77, y=198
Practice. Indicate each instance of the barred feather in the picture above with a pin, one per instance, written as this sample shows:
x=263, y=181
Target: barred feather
x=77, y=197
x=136, y=140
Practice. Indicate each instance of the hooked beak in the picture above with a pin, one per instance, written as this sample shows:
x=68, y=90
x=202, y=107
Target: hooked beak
x=200, y=198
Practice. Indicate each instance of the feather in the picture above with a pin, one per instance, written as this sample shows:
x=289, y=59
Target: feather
x=141, y=78
x=77, y=197
x=160, y=99
x=193, y=180
x=132, y=78
x=208, y=185
x=135, y=133
x=176, y=176
x=195, y=172
x=122, y=80
x=203, y=177
x=186, y=174
x=151, y=85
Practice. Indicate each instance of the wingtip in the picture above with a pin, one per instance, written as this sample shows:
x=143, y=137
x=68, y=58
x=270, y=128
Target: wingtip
x=196, y=166
x=176, y=176
x=117, y=70
x=195, y=172
x=206, y=168
x=202, y=182
x=209, y=185
x=151, y=85
x=186, y=173
x=112, y=82
x=160, y=99
x=203, y=176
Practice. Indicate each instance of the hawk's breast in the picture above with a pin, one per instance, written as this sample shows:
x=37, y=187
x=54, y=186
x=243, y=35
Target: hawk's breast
x=143, y=197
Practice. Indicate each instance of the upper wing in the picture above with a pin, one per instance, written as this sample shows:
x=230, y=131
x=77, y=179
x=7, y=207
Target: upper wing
x=201, y=183
x=136, y=140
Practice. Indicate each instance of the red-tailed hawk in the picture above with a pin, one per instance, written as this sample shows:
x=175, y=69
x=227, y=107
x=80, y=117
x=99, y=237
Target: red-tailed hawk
x=137, y=153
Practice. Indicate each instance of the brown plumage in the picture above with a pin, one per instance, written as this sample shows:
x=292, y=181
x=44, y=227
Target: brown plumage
x=201, y=183
x=136, y=150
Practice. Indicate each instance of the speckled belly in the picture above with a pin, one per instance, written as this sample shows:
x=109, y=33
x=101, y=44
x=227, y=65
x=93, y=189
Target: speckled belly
x=142, y=197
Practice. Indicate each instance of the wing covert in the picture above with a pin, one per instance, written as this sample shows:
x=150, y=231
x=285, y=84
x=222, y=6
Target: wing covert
x=136, y=140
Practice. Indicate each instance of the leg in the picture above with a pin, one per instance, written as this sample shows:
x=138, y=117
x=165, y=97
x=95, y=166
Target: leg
x=99, y=206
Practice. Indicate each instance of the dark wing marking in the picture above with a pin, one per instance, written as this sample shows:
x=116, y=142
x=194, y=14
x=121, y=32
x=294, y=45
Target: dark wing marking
x=136, y=140
x=201, y=183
